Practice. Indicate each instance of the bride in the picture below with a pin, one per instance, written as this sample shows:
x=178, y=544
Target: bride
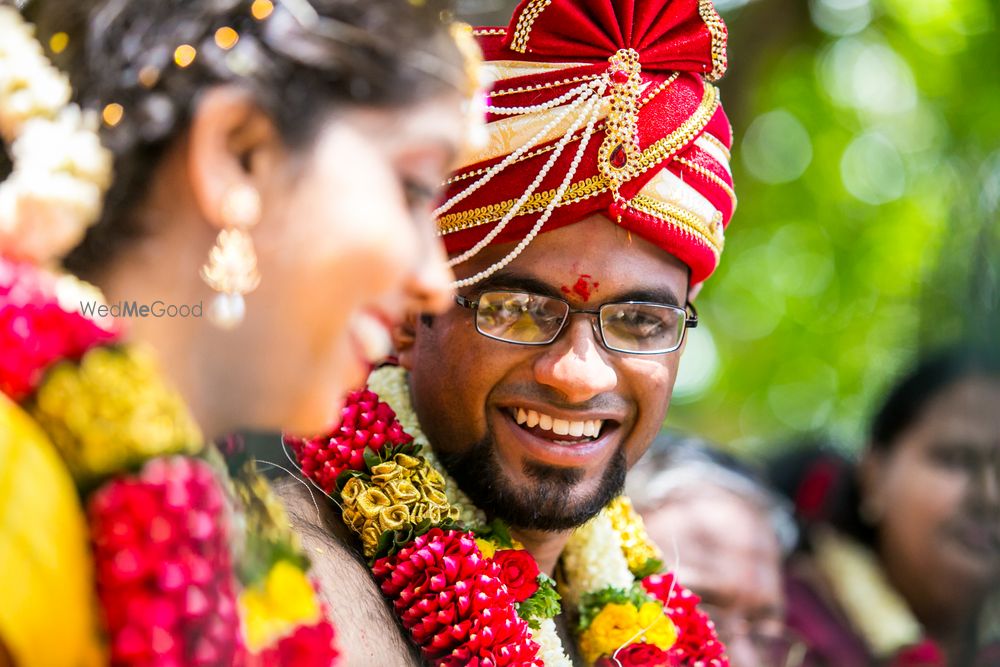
x=268, y=221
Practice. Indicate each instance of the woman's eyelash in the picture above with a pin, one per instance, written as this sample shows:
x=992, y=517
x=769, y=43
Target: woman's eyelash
x=418, y=192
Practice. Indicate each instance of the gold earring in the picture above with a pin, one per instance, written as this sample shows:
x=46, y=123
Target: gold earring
x=232, y=263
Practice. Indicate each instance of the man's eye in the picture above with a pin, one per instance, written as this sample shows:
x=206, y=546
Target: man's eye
x=418, y=195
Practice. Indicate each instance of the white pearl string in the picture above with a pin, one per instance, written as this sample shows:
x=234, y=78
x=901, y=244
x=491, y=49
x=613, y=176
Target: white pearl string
x=535, y=184
x=534, y=108
x=513, y=157
x=593, y=109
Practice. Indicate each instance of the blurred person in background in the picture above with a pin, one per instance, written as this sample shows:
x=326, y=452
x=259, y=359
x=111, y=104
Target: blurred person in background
x=735, y=532
x=901, y=549
x=250, y=178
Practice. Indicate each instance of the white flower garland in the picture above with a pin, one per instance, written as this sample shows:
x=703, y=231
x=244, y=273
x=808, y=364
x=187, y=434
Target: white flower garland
x=61, y=171
x=593, y=560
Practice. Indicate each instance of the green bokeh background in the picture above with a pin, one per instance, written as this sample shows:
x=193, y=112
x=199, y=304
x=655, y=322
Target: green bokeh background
x=867, y=165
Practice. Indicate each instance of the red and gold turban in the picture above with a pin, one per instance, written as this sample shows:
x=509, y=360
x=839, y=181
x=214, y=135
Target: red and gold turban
x=600, y=106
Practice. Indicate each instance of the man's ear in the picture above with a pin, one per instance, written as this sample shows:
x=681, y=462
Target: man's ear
x=404, y=336
x=694, y=291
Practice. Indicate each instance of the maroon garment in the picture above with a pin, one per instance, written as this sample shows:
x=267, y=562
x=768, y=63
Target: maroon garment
x=831, y=640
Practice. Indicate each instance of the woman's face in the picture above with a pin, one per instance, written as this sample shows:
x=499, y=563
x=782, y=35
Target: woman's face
x=345, y=247
x=937, y=492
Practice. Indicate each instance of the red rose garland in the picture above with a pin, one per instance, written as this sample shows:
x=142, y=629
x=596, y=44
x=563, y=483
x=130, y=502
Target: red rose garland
x=519, y=572
x=640, y=655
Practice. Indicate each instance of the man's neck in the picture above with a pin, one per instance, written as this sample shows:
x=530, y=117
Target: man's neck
x=545, y=546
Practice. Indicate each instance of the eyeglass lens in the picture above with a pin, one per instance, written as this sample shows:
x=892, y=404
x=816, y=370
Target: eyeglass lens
x=520, y=317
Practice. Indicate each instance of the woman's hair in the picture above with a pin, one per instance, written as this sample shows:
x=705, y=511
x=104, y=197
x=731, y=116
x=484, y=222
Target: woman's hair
x=908, y=399
x=304, y=59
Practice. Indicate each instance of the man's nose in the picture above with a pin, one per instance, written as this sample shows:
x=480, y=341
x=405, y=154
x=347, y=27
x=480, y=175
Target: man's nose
x=576, y=364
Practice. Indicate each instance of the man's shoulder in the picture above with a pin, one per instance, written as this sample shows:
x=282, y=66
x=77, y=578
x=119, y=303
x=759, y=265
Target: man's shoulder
x=368, y=632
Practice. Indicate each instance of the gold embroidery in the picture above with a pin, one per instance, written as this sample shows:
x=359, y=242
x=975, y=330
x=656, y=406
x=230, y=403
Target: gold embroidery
x=682, y=136
x=524, y=23
x=686, y=221
x=710, y=175
x=621, y=140
x=578, y=191
x=483, y=32
x=711, y=138
x=717, y=29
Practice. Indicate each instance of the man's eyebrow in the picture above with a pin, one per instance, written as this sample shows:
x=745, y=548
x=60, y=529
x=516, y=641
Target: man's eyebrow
x=518, y=281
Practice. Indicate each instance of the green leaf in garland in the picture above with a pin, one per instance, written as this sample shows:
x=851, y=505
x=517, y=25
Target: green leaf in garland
x=497, y=532
x=392, y=542
x=372, y=458
x=593, y=602
x=651, y=566
x=543, y=604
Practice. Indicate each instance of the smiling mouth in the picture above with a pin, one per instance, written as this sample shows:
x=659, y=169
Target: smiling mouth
x=559, y=431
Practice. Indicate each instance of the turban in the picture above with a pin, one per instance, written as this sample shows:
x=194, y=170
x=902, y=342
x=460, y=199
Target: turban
x=599, y=106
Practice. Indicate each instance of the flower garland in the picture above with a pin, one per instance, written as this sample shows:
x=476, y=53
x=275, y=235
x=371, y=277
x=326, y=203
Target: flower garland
x=61, y=171
x=464, y=590
x=193, y=559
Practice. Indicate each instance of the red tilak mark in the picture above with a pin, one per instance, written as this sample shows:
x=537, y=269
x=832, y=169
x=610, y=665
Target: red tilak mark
x=583, y=288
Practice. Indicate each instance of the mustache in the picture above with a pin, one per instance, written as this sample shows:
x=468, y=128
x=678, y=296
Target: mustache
x=542, y=394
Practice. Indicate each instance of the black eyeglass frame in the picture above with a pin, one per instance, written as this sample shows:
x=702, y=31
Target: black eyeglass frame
x=690, y=320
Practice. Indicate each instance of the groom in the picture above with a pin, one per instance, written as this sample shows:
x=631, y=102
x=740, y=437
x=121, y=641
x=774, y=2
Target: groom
x=579, y=235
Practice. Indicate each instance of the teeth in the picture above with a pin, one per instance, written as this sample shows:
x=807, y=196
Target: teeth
x=376, y=342
x=587, y=428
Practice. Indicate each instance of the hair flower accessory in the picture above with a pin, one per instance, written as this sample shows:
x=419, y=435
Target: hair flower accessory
x=60, y=170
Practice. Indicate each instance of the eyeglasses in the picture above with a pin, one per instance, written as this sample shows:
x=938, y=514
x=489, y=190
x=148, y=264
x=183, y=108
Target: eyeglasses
x=632, y=327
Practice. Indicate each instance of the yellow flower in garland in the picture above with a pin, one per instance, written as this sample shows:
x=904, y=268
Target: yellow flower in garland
x=618, y=625
x=399, y=492
x=110, y=410
x=276, y=606
x=642, y=554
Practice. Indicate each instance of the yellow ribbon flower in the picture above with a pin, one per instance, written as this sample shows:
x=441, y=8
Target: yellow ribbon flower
x=402, y=491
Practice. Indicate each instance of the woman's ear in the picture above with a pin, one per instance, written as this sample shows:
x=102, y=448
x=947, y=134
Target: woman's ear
x=233, y=147
x=870, y=473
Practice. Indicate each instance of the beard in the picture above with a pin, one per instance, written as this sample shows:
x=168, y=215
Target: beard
x=548, y=503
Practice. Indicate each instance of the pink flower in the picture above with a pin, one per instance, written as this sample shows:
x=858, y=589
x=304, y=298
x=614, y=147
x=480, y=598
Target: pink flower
x=308, y=646
x=165, y=579
x=697, y=641
x=924, y=654
x=35, y=331
x=365, y=422
x=519, y=572
x=640, y=655
x=453, y=602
